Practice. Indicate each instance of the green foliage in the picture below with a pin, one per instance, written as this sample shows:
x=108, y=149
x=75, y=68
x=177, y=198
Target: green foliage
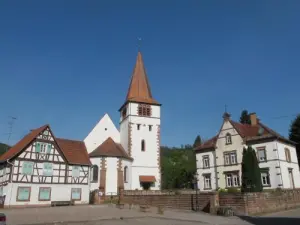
x=197, y=141
x=251, y=177
x=178, y=167
x=245, y=117
x=294, y=134
x=233, y=190
x=3, y=148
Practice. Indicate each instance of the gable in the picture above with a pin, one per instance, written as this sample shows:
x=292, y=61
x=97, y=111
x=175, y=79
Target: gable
x=104, y=129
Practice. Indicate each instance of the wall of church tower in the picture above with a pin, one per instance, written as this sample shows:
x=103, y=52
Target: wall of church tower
x=134, y=130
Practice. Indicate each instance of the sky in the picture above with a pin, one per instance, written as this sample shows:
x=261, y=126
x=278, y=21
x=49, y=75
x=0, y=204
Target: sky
x=67, y=63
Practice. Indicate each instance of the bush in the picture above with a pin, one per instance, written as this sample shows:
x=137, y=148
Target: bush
x=222, y=190
x=233, y=190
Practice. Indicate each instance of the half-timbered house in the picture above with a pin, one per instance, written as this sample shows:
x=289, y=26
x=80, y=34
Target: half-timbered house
x=41, y=169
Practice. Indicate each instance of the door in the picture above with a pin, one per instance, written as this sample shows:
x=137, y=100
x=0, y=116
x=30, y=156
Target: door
x=292, y=185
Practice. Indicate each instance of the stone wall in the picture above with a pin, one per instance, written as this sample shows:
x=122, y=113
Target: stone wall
x=259, y=203
x=175, y=201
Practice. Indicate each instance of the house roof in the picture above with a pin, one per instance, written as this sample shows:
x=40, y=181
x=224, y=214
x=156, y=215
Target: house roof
x=139, y=89
x=74, y=151
x=109, y=148
x=248, y=133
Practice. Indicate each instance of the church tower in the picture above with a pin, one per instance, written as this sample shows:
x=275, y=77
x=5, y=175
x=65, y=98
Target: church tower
x=140, y=131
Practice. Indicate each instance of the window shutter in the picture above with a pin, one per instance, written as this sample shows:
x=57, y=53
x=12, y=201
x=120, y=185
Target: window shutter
x=49, y=147
x=38, y=147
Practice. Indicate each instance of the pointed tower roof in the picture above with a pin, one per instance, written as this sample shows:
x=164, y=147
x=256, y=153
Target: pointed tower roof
x=139, y=89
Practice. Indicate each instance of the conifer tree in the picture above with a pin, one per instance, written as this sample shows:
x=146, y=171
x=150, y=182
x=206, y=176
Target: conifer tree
x=245, y=117
x=251, y=177
x=197, y=141
x=294, y=134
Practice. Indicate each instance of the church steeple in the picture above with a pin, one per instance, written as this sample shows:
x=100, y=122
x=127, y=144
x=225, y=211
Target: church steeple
x=139, y=89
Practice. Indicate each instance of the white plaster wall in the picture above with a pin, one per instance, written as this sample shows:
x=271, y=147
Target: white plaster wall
x=111, y=176
x=211, y=169
x=95, y=185
x=237, y=144
x=127, y=185
x=284, y=165
x=104, y=129
x=59, y=192
x=124, y=134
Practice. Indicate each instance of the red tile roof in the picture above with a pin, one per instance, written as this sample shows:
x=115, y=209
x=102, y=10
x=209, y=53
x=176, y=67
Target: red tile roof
x=148, y=179
x=109, y=148
x=139, y=89
x=22, y=144
x=247, y=132
x=74, y=151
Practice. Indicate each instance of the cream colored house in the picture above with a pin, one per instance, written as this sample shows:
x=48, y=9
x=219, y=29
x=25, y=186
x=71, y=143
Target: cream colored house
x=219, y=159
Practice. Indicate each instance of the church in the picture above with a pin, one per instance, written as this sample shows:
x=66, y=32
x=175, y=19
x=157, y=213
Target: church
x=42, y=169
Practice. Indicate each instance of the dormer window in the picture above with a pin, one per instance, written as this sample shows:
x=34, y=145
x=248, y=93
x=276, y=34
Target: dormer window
x=144, y=110
x=228, y=139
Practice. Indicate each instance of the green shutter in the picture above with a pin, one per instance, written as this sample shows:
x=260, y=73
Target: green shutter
x=23, y=193
x=49, y=148
x=44, y=193
x=38, y=147
x=27, y=168
x=47, y=170
x=75, y=171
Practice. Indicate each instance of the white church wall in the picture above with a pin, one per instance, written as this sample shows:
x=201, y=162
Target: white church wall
x=111, y=176
x=128, y=182
x=95, y=185
x=144, y=171
x=104, y=129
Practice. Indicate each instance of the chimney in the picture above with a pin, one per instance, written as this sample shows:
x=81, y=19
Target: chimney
x=253, y=119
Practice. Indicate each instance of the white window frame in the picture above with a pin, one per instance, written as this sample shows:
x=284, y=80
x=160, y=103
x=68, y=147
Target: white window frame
x=207, y=181
x=228, y=139
x=227, y=159
x=264, y=158
x=232, y=180
x=206, y=163
x=233, y=156
x=266, y=175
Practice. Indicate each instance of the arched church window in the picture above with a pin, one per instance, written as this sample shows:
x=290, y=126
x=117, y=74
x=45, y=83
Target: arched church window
x=143, y=145
x=126, y=174
x=94, y=173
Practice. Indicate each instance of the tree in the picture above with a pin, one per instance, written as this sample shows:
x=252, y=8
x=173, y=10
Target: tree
x=3, y=148
x=245, y=117
x=294, y=134
x=251, y=177
x=197, y=141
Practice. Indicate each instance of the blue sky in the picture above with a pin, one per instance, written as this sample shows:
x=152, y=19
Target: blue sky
x=67, y=63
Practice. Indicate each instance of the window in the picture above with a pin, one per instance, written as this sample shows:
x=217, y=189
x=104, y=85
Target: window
x=45, y=194
x=94, y=173
x=265, y=177
x=261, y=154
x=206, y=161
x=27, y=168
x=207, y=181
x=287, y=154
x=43, y=148
x=144, y=110
x=125, y=174
x=23, y=194
x=232, y=180
x=75, y=171
x=230, y=158
x=143, y=145
x=138, y=126
x=76, y=194
x=47, y=169
x=150, y=127
x=228, y=139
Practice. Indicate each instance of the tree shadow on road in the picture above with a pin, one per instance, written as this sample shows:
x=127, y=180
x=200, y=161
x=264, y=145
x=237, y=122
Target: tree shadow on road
x=271, y=220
